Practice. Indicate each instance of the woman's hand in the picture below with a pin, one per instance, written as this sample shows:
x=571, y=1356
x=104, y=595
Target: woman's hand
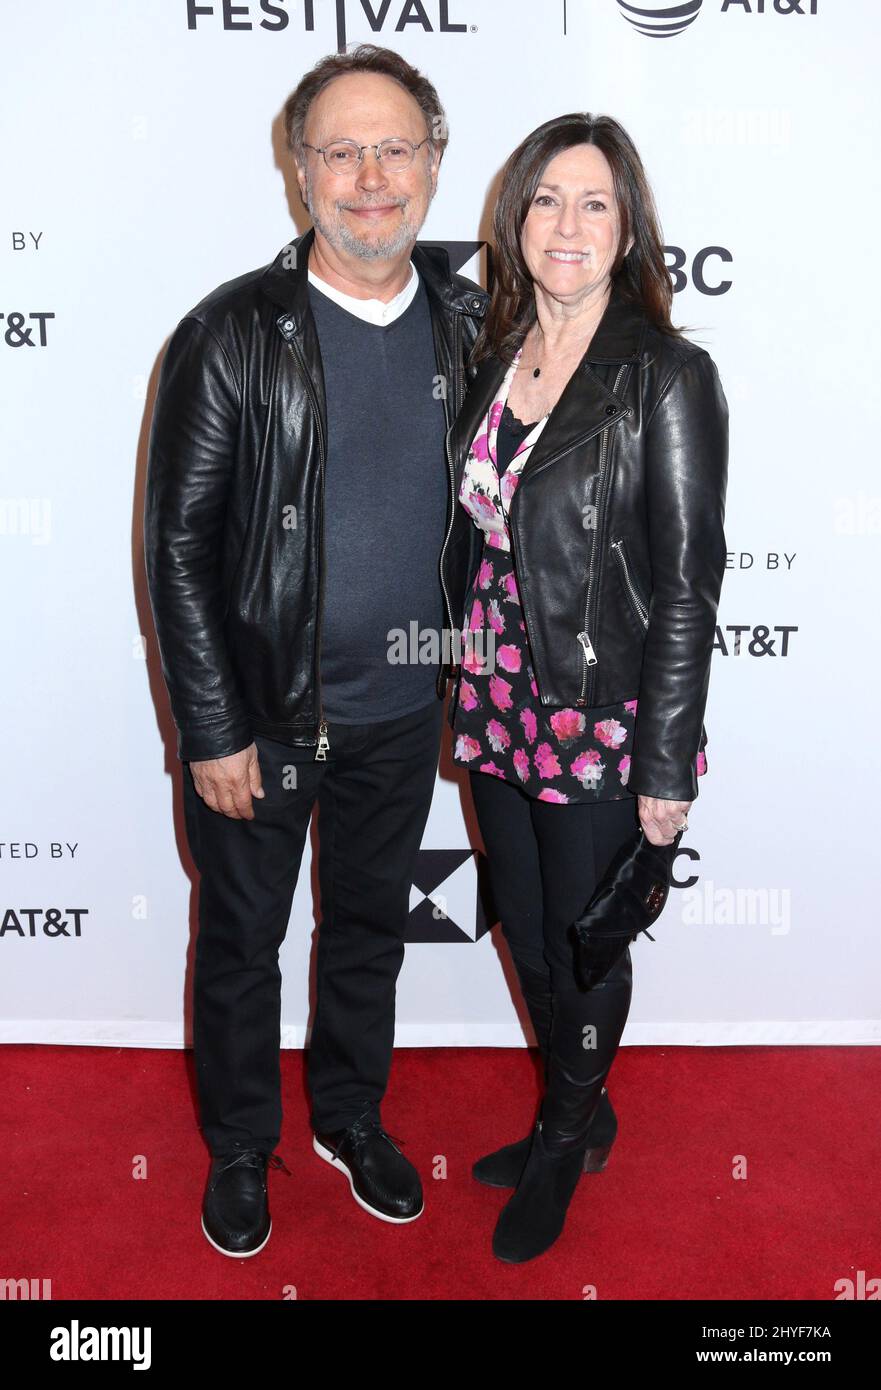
x=661, y=819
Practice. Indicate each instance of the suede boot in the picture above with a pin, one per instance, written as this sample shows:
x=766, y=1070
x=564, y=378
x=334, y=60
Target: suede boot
x=586, y=1029
x=503, y=1167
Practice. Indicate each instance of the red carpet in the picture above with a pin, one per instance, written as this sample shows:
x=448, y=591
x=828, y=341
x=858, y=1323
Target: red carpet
x=665, y=1220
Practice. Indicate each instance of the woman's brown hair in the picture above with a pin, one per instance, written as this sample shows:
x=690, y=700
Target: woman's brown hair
x=641, y=275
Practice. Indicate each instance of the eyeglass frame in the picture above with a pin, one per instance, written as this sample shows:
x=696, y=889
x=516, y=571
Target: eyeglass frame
x=399, y=139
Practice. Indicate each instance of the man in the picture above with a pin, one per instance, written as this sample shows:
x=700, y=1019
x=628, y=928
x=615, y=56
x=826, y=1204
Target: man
x=298, y=499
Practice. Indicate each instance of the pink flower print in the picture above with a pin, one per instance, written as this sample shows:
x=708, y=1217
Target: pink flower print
x=485, y=574
x=468, y=696
x=508, y=485
x=532, y=685
x=530, y=726
x=495, y=414
x=547, y=764
x=588, y=768
x=508, y=657
x=701, y=763
x=630, y=706
x=467, y=748
x=476, y=622
x=568, y=724
x=521, y=763
x=624, y=769
x=498, y=736
x=510, y=584
x=500, y=692
x=494, y=616
x=491, y=767
x=549, y=794
x=472, y=660
x=610, y=732
x=480, y=448
x=522, y=627
x=480, y=505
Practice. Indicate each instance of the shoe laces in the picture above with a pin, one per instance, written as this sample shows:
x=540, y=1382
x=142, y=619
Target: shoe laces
x=361, y=1129
x=253, y=1158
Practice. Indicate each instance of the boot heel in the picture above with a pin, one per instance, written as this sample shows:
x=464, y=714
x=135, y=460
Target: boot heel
x=595, y=1160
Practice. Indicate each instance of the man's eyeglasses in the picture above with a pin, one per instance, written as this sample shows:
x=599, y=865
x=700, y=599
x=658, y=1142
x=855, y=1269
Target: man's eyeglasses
x=344, y=156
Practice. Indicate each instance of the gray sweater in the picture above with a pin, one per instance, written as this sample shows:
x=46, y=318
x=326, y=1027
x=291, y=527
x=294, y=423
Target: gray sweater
x=385, y=505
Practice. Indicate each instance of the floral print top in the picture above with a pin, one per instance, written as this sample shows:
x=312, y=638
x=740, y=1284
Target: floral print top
x=500, y=725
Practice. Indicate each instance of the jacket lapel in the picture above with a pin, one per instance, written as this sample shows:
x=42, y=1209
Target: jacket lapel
x=286, y=283
x=482, y=392
x=586, y=405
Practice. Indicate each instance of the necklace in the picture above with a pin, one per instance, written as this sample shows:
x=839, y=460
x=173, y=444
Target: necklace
x=536, y=371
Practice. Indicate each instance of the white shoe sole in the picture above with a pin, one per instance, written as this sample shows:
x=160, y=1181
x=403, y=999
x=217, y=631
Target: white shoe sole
x=236, y=1254
x=337, y=1163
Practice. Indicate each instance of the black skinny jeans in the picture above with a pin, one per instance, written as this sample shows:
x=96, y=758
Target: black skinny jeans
x=545, y=860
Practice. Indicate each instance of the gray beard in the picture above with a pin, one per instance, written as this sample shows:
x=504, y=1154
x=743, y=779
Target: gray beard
x=342, y=238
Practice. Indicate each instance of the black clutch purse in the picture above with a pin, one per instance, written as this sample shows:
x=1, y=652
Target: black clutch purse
x=628, y=900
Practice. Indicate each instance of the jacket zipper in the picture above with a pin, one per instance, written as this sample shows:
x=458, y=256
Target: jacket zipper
x=590, y=656
x=323, y=740
x=522, y=605
x=618, y=547
x=452, y=476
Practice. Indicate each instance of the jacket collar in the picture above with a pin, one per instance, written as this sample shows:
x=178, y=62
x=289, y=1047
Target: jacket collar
x=586, y=404
x=285, y=281
x=620, y=332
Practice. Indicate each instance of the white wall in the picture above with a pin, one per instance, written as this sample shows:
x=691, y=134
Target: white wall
x=147, y=159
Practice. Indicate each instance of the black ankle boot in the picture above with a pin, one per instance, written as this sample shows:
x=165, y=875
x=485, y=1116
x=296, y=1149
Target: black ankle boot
x=534, y=1217
x=504, y=1167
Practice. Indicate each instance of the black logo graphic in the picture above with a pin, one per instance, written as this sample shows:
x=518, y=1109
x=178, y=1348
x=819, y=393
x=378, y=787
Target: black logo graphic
x=431, y=16
x=459, y=252
x=450, y=898
x=661, y=21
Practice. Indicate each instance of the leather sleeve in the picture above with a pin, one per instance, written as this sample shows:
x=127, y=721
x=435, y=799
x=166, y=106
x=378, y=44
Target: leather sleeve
x=190, y=461
x=686, y=470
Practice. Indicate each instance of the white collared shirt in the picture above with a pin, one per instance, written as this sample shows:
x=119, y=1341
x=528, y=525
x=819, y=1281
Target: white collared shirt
x=372, y=310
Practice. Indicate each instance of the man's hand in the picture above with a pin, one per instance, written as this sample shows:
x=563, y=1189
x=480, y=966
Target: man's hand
x=227, y=784
x=661, y=819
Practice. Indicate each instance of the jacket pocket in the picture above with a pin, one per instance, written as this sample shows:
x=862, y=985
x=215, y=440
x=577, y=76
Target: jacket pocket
x=634, y=597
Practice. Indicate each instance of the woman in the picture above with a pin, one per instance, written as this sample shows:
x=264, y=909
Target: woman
x=586, y=560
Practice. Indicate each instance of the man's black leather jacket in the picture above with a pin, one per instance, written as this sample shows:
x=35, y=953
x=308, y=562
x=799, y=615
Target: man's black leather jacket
x=617, y=535
x=233, y=512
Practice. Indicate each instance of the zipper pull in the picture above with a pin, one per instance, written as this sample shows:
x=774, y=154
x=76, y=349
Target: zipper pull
x=323, y=743
x=589, y=653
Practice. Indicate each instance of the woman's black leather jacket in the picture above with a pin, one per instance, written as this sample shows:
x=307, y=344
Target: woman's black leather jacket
x=617, y=534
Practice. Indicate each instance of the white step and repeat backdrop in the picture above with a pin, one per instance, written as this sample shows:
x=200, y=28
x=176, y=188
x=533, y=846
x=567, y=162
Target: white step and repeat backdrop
x=143, y=164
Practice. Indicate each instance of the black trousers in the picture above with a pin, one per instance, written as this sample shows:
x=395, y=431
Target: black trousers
x=545, y=860
x=374, y=794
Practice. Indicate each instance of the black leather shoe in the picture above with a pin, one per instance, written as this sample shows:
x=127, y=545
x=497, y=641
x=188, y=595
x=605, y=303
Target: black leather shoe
x=534, y=1216
x=382, y=1180
x=235, y=1208
x=504, y=1167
